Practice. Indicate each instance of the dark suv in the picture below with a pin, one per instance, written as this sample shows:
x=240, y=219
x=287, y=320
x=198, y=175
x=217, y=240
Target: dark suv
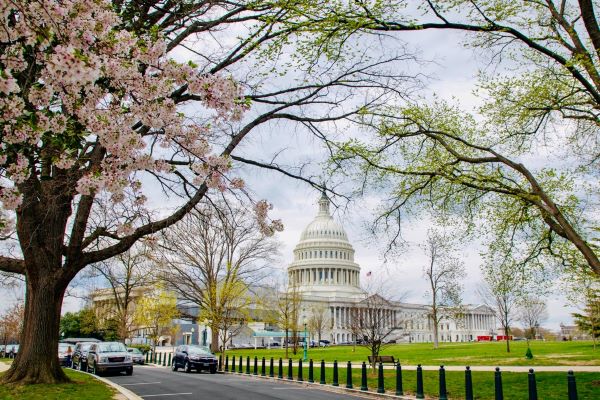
x=79, y=357
x=109, y=356
x=194, y=357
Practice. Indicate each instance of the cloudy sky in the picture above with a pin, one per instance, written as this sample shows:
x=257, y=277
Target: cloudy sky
x=452, y=76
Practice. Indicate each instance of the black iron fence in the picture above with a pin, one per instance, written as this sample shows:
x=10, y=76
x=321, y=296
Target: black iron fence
x=399, y=387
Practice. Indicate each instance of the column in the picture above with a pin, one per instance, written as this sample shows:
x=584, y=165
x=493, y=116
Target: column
x=334, y=317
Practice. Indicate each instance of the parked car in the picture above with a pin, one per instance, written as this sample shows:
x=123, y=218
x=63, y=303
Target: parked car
x=109, y=356
x=64, y=355
x=79, y=357
x=324, y=343
x=136, y=355
x=191, y=357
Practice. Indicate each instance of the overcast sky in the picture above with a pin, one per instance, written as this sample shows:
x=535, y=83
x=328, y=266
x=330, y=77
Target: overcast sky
x=452, y=76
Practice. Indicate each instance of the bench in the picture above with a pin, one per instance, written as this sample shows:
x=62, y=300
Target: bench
x=382, y=359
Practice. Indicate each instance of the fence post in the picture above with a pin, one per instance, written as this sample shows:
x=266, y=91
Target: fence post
x=349, y=375
x=248, y=365
x=233, y=364
x=572, y=386
x=169, y=363
x=363, y=377
x=443, y=394
x=322, y=382
x=226, y=363
x=255, y=370
x=280, y=372
x=468, y=384
x=300, y=377
x=241, y=368
x=290, y=370
x=399, y=389
x=263, y=369
x=499, y=395
x=271, y=373
x=335, y=374
x=532, y=385
x=380, y=385
x=420, y=394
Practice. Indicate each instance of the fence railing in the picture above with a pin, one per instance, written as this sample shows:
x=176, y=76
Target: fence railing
x=164, y=359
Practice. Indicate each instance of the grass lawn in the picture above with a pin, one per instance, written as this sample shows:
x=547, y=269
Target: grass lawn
x=550, y=385
x=494, y=354
x=83, y=387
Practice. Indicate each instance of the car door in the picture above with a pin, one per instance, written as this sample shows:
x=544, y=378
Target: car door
x=177, y=357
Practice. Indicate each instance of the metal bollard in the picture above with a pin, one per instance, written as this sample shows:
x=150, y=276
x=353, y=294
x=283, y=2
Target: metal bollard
x=247, y=365
x=271, y=373
x=220, y=363
x=443, y=393
x=363, y=377
x=233, y=364
x=532, y=385
x=159, y=358
x=499, y=395
x=290, y=370
x=226, y=363
x=468, y=384
x=420, y=394
x=311, y=375
x=335, y=374
x=572, y=386
x=263, y=371
x=280, y=372
x=255, y=370
x=169, y=362
x=349, y=375
x=399, y=389
x=300, y=377
x=147, y=357
x=241, y=368
x=164, y=361
x=322, y=381
x=380, y=385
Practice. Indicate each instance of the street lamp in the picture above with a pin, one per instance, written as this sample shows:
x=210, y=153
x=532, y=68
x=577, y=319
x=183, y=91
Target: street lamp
x=204, y=333
x=192, y=330
x=305, y=340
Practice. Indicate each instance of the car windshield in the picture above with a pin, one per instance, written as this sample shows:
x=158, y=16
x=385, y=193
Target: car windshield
x=62, y=347
x=134, y=351
x=111, y=347
x=199, y=350
x=85, y=346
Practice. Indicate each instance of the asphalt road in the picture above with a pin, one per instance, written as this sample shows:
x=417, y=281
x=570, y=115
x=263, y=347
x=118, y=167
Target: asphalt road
x=163, y=384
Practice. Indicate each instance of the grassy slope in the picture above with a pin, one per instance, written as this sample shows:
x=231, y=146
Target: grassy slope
x=83, y=387
x=545, y=353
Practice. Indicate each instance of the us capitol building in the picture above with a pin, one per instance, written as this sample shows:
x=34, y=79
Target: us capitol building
x=325, y=275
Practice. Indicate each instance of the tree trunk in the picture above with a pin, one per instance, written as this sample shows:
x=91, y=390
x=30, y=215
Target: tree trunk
x=286, y=343
x=214, y=341
x=37, y=359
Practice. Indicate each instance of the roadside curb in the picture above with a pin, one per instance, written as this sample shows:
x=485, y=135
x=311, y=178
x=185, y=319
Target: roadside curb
x=125, y=392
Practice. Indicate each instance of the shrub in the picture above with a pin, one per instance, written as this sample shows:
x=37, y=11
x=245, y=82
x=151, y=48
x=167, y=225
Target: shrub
x=529, y=354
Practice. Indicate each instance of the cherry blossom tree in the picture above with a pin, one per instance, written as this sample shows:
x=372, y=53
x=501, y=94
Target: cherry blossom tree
x=95, y=107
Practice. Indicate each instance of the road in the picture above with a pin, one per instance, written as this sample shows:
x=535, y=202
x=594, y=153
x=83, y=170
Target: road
x=163, y=384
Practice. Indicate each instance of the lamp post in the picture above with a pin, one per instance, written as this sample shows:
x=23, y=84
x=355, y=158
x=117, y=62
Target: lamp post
x=192, y=340
x=305, y=341
x=204, y=334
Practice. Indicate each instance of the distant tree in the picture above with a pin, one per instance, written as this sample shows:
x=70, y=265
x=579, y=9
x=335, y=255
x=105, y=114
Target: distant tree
x=588, y=320
x=370, y=325
x=319, y=320
x=155, y=313
x=287, y=303
x=501, y=291
x=125, y=274
x=11, y=324
x=444, y=274
x=216, y=247
x=83, y=323
x=532, y=312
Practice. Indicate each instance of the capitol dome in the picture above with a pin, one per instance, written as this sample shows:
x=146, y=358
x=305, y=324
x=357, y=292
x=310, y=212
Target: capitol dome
x=324, y=259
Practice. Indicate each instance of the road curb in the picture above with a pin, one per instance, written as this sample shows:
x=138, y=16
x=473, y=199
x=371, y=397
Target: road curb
x=125, y=392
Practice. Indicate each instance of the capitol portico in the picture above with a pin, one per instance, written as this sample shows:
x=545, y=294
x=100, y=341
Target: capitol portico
x=326, y=275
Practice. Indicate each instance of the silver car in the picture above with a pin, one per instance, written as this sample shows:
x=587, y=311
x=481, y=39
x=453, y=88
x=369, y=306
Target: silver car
x=109, y=357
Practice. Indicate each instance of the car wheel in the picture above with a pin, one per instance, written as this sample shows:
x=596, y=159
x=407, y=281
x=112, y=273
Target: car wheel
x=187, y=367
x=174, y=366
x=129, y=371
x=213, y=369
